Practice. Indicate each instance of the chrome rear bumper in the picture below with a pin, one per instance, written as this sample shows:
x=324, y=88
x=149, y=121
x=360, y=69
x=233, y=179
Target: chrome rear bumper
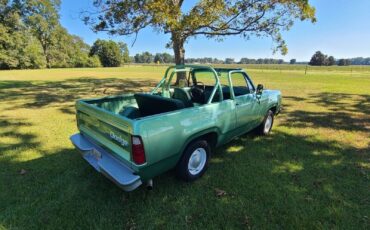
x=105, y=163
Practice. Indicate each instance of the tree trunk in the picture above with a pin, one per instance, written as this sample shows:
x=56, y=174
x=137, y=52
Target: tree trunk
x=46, y=54
x=179, y=51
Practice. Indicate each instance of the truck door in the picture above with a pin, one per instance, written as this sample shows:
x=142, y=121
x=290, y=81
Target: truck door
x=245, y=101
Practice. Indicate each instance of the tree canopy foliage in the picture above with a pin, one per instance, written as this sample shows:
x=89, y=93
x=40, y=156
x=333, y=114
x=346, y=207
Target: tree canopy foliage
x=31, y=37
x=213, y=19
x=110, y=53
x=318, y=59
x=17, y=50
x=330, y=61
x=42, y=18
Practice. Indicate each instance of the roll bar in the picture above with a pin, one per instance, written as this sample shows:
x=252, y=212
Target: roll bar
x=172, y=70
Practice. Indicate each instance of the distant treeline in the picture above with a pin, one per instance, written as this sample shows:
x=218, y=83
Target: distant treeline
x=360, y=61
x=32, y=37
x=233, y=61
x=147, y=57
x=318, y=59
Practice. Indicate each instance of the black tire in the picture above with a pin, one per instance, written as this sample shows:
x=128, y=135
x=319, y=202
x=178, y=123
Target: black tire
x=182, y=168
x=261, y=129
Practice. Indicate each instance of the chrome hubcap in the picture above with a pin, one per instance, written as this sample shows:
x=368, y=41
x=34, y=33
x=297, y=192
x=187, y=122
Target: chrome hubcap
x=197, y=161
x=268, y=124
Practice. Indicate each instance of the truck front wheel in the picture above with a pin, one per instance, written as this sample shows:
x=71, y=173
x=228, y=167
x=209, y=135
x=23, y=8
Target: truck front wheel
x=194, y=161
x=265, y=127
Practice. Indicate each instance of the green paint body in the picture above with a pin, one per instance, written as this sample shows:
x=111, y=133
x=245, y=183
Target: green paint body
x=166, y=135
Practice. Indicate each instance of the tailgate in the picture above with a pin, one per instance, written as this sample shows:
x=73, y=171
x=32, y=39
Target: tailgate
x=110, y=131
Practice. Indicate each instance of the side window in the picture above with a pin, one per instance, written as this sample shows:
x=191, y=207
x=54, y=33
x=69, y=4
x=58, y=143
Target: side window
x=240, y=84
x=205, y=77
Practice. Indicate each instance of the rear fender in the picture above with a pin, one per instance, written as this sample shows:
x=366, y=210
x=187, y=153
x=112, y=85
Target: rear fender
x=197, y=136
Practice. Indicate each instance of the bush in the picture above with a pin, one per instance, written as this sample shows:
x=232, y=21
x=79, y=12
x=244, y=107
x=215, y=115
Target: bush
x=93, y=61
x=109, y=52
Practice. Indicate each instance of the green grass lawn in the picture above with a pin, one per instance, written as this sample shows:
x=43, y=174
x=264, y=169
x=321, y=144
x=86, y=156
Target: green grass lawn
x=311, y=172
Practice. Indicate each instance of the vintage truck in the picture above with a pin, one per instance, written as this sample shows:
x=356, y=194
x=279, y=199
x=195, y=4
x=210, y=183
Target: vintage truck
x=134, y=137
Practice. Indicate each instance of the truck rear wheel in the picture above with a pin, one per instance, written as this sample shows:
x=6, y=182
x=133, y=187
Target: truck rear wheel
x=194, y=161
x=265, y=127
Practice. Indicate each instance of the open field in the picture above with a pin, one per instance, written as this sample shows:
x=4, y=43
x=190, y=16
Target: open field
x=312, y=172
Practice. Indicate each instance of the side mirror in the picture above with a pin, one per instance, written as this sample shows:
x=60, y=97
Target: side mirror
x=259, y=89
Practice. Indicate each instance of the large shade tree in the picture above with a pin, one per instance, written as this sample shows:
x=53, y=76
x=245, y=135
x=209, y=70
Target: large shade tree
x=210, y=18
x=43, y=19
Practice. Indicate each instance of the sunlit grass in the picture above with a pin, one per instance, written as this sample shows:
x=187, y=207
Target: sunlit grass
x=288, y=167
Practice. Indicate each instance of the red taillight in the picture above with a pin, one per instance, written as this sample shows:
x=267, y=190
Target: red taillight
x=138, y=153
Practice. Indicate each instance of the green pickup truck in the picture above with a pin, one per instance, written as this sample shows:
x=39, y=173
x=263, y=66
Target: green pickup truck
x=134, y=137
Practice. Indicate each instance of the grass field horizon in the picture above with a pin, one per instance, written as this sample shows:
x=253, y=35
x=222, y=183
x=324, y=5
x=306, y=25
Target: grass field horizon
x=311, y=172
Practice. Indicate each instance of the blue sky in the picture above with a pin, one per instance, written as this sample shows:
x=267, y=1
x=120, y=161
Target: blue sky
x=342, y=30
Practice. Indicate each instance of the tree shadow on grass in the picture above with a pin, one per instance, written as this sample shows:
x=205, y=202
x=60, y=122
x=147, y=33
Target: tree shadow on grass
x=340, y=102
x=281, y=180
x=346, y=112
x=338, y=120
x=15, y=139
x=337, y=102
x=40, y=94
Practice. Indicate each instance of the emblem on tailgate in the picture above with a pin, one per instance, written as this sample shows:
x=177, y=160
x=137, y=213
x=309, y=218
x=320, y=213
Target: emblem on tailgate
x=118, y=138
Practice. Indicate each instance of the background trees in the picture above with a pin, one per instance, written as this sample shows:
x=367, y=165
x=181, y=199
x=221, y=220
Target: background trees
x=163, y=58
x=124, y=52
x=31, y=37
x=330, y=61
x=110, y=53
x=318, y=59
x=360, y=61
x=229, y=61
x=343, y=62
x=144, y=57
x=42, y=18
x=17, y=49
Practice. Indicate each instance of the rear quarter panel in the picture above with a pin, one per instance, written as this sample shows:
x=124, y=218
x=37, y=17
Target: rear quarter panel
x=165, y=136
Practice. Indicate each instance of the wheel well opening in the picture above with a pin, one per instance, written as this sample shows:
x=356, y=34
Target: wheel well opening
x=274, y=109
x=211, y=138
